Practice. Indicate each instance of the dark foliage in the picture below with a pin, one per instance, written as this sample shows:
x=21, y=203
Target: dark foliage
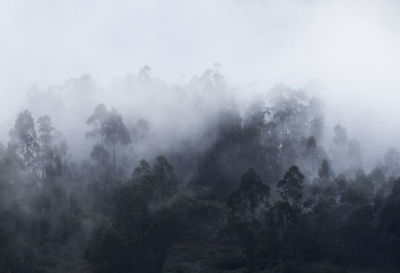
x=261, y=197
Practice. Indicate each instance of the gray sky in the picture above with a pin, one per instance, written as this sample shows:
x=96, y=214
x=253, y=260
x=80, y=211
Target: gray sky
x=49, y=41
x=351, y=47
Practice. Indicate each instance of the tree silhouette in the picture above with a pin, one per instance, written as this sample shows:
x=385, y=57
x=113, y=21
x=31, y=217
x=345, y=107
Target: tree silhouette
x=23, y=139
x=291, y=186
x=111, y=129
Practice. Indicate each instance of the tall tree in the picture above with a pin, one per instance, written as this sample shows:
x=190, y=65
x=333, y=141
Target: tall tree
x=116, y=133
x=324, y=170
x=97, y=120
x=164, y=178
x=47, y=155
x=23, y=139
x=252, y=195
x=311, y=152
x=291, y=186
x=111, y=128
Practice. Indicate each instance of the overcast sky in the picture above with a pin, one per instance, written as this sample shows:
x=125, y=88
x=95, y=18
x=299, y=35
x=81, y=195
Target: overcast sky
x=351, y=47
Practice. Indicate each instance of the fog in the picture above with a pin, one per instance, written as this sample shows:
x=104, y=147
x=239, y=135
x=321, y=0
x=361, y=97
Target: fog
x=199, y=136
x=345, y=53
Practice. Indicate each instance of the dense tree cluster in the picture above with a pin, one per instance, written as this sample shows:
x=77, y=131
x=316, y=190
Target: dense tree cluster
x=265, y=195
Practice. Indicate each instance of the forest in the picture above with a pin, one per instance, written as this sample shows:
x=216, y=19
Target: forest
x=191, y=182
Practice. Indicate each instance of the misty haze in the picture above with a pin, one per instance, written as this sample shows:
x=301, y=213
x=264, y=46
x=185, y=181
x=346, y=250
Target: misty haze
x=208, y=137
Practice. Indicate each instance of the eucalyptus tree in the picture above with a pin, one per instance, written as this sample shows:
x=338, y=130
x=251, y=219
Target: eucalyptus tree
x=290, y=187
x=24, y=140
x=251, y=196
x=45, y=140
x=110, y=127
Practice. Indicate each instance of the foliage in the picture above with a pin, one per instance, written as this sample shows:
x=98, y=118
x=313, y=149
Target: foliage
x=262, y=195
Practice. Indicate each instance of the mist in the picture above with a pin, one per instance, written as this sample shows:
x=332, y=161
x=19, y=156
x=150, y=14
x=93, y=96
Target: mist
x=348, y=49
x=205, y=96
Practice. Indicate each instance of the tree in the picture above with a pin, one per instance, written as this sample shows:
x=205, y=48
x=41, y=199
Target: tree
x=116, y=133
x=111, y=128
x=24, y=139
x=340, y=137
x=359, y=192
x=158, y=182
x=142, y=170
x=291, y=186
x=245, y=204
x=378, y=175
x=48, y=158
x=311, y=152
x=340, y=151
x=392, y=162
x=251, y=196
x=97, y=120
x=389, y=225
x=164, y=178
x=325, y=171
x=45, y=130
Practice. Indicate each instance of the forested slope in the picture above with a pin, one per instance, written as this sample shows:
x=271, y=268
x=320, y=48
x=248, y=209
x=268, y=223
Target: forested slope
x=271, y=188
